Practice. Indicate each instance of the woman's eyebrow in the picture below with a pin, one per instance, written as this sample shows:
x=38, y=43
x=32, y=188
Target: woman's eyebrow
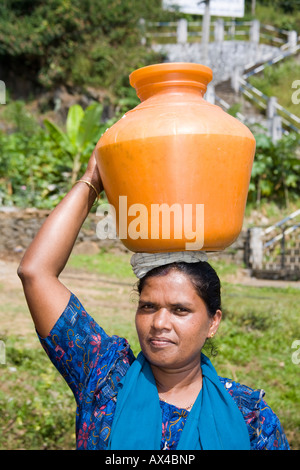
x=145, y=301
x=172, y=305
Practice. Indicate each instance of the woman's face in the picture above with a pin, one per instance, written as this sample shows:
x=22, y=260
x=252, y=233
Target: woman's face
x=172, y=321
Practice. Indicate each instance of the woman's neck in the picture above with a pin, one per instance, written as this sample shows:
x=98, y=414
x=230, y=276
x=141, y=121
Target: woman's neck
x=178, y=387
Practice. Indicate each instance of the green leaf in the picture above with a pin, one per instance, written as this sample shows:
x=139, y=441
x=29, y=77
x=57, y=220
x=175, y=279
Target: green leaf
x=89, y=128
x=263, y=141
x=59, y=136
x=266, y=187
x=75, y=115
x=291, y=181
x=258, y=168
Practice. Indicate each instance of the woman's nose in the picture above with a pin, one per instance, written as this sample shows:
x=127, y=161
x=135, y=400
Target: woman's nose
x=161, y=319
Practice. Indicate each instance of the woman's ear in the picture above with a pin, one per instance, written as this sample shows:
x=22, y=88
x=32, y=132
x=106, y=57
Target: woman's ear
x=215, y=323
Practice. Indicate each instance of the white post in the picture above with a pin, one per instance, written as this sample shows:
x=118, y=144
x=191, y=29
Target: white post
x=2, y=352
x=2, y=92
x=219, y=30
x=256, y=248
x=237, y=73
x=255, y=31
x=182, y=31
x=210, y=96
x=271, y=107
x=274, y=121
x=276, y=128
x=142, y=25
x=292, y=39
x=205, y=31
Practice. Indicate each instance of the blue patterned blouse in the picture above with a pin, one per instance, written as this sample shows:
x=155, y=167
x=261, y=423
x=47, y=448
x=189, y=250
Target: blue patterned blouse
x=92, y=363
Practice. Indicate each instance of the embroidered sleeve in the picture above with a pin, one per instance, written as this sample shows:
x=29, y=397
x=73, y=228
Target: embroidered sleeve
x=81, y=350
x=271, y=433
x=264, y=427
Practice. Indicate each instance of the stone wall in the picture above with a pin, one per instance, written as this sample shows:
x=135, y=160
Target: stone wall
x=222, y=57
x=19, y=227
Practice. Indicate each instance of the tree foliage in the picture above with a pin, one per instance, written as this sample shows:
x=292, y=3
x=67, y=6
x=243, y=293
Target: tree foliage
x=276, y=169
x=287, y=6
x=98, y=42
x=82, y=132
x=39, y=164
x=75, y=41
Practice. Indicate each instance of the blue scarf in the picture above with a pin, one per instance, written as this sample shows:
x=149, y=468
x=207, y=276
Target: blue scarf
x=214, y=423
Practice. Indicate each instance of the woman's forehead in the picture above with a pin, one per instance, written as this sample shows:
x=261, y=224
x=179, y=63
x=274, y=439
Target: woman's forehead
x=174, y=284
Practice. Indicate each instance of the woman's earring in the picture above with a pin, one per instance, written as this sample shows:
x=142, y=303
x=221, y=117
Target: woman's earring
x=212, y=335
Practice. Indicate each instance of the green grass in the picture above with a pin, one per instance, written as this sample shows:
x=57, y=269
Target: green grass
x=255, y=347
x=104, y=263
x=277, y=80
x=37, y=409
x=268, y=212
x=254, y=344
x=269, y=15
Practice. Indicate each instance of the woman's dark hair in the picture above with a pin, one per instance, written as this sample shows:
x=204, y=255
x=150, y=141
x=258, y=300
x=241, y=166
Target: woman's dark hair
x=203, y=277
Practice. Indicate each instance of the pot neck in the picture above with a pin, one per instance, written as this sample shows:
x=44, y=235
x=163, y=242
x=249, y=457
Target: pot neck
x=154, y=90
x=170, y=78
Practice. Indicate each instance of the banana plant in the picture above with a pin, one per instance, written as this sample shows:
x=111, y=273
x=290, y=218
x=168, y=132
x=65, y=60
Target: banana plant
x=83, y=129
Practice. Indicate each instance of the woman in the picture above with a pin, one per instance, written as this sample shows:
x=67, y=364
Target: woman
x=170, y=396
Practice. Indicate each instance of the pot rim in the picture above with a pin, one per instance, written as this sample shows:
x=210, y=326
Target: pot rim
x=150, y=71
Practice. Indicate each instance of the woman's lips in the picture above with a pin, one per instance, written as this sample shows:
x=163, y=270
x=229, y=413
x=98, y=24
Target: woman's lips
x=160, y=342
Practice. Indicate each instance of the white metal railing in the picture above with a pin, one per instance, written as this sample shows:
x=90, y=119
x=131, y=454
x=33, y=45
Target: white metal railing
x=280, y=224
x=283, y=55
x=183, y=31
x=281, y=235
x=264, y=254
x=289, y=120
x=226, y=30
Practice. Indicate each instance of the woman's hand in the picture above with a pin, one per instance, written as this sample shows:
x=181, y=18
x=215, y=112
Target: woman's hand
x=48, y=253
x=92, y=173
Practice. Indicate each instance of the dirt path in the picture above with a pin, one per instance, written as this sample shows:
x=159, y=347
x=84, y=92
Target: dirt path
x=8, y=275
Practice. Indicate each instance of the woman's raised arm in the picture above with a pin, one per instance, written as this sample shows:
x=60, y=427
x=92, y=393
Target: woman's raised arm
x=48, y=253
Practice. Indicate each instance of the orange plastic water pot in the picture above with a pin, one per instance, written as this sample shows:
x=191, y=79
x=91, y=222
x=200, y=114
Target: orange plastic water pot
x=176, y=168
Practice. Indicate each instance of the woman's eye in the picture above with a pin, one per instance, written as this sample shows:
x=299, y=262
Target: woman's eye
x=181, y=310
x=146, y=307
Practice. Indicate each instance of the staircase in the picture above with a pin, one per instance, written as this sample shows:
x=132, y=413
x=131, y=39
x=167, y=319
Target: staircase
x=237, y=51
